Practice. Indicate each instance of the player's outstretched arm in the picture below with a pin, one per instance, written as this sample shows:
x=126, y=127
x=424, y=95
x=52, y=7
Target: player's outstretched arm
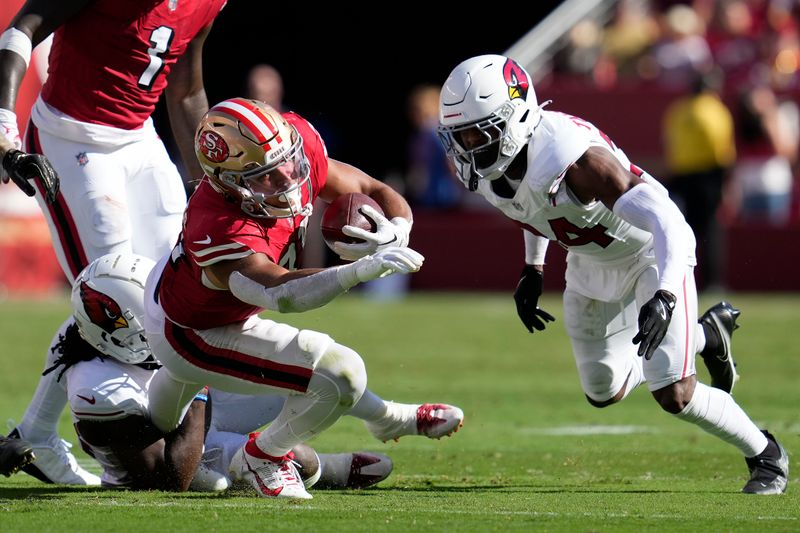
x=258, y=281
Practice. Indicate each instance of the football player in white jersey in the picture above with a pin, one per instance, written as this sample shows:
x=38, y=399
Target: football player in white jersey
x=105, y=366
x=630, y=259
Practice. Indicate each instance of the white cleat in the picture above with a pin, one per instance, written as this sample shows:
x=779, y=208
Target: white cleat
x=271, y=479
x=207, y=479
x=432, y=420
x=55, y=463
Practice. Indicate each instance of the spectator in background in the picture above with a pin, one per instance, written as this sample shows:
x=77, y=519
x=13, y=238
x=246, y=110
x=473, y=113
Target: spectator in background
x=265, y=83
x=767, y=136
x=682, y=53
x=733, y=38
x=431, y=180
x=630, y=34
x=699, y=150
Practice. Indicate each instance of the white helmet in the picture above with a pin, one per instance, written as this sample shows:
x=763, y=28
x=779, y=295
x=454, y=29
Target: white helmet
x=487, y=113
x=108, y=306
x=241, y=144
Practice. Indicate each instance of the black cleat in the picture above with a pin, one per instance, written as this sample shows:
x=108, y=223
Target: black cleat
x=718, y=357
x=769, y=470
x=14, y=454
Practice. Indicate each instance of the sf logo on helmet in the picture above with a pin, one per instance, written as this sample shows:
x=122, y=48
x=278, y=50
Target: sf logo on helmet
x=213, y=146
x=102, y=310
x=516, y=79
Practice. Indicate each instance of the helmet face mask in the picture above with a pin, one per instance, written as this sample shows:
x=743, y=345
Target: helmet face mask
x=487, y=114
x=253, y=156
x=108, y=306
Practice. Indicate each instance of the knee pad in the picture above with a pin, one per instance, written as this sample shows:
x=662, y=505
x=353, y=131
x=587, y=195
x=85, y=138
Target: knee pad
x=344, y=370
x=598, y=382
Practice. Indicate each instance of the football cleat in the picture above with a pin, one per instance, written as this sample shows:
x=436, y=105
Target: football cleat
x=721, y=319
x=272, y=477
x=432, y=420
x=206, y=479
x=357, y=470
x=769, y=470
x=15, y=453
x=54, y=463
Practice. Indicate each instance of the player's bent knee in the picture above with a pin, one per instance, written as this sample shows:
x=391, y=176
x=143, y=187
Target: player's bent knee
x=601, y=403
x=674, y=398
x=345, y=369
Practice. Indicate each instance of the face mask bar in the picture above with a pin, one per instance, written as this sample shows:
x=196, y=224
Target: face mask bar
x=258, y=204
x=476, y=161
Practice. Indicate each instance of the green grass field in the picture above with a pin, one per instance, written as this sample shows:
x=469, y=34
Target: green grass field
x=532, y=455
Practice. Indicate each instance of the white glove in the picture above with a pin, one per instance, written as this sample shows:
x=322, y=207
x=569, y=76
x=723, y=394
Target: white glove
x=388, y=233
x=9, y=130
x=391, y=260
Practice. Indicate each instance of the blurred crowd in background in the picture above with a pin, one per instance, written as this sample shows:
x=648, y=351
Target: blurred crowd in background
x=717, y=78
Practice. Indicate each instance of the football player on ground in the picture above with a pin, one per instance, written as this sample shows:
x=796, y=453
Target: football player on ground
x=630, y=255
x=243, y=230
x=105, y=366
x=119, y=191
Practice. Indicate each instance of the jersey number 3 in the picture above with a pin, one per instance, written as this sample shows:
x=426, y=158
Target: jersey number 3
x=160, y=40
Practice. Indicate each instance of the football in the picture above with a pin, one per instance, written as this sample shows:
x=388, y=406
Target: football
x=344, y=211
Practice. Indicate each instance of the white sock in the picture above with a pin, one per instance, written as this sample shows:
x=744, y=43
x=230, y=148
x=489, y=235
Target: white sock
x=699, y=338
x=716, y=412
x=41, y=417
x=370, y=407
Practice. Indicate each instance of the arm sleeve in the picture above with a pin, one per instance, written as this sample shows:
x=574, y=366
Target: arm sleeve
x=535, y=248
x=646, y=208
x=295, y=296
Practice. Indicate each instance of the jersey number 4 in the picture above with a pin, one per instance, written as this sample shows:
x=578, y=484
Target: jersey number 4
x=568, y=234
x=160, y=40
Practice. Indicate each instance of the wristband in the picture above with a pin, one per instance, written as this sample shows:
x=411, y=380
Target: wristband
x=18, y=42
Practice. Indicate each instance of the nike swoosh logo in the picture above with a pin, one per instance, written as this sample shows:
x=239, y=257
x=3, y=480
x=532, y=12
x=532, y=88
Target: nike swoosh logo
x=207, y=240
x=388, y=242
x=88, y=400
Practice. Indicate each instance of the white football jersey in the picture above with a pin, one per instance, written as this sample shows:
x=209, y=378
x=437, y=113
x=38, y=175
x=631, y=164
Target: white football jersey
x=105, y=389
x=544, y=205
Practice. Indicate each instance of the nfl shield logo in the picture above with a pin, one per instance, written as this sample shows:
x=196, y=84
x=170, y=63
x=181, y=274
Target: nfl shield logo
x=83, y=159
x=173, y=5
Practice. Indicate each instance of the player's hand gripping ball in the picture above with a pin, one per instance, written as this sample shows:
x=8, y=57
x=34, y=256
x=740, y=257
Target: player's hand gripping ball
x=344, y=211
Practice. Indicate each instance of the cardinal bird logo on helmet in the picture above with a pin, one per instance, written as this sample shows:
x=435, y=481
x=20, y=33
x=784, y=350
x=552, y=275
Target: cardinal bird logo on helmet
x=102, y=310
x=516, y=79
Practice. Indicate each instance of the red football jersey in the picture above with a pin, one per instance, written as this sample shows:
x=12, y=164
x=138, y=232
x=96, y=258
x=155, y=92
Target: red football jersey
x=215, y=229
x=109, y=63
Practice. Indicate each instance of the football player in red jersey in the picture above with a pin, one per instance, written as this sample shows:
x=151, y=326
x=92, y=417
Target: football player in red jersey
x=119, y=191
x=105, y=366
x=243, y=230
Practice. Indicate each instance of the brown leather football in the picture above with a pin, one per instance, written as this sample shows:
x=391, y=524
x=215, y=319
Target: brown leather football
x=344, y=211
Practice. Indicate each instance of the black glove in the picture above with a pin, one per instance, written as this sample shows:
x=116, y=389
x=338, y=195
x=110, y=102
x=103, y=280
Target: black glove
x=22, y=168
x=654, y=318
x=526, y=297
